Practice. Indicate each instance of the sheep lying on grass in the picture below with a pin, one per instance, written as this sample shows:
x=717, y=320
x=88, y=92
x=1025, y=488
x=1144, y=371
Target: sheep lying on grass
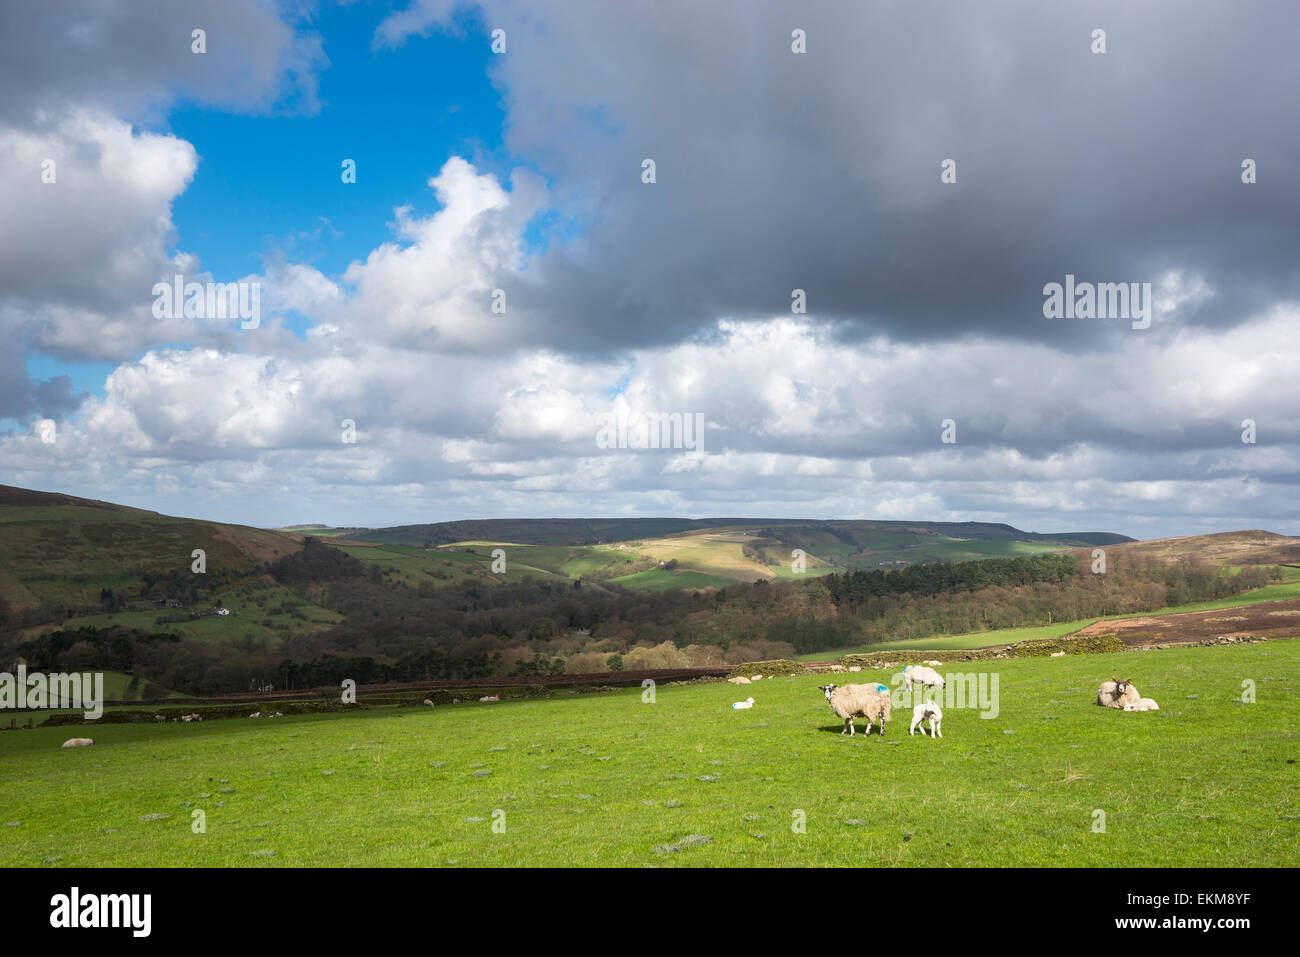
x=930, y=710
x=923, y=675
x=488, y=699
x=742, y=705
x=739, y=681
x=867, y=701
x=1116, y=693
x=1142, y=704
x=78, y=742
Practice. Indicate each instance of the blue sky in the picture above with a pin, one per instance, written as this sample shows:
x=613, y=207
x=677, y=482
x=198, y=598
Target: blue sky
x=399, y=113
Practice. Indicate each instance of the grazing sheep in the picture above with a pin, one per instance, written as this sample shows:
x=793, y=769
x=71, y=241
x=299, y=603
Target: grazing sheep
x=837, y=667
x=930, y=710
x=1142, y=704
x=739, y=681
x=855, y=667
x=256, y=714
x=160, y=717
x=923, y=674
x=78, y=742
x=1116, y=693
x=428, y=702
x=1057, y=654
x=489, y=698
x=937, y=664
x=742, y=705
x=850, y=701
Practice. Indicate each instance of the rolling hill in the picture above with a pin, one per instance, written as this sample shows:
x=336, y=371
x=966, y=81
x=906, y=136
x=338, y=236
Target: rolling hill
x=598, y=531
x=1251, y=547
x=61, y=550
x=654, y=554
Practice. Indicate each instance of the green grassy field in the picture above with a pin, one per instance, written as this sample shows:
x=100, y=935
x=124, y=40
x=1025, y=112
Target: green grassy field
x=610, y=780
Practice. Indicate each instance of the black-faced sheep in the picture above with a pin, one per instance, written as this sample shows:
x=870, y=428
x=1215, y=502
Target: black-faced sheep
x=1116, y=693
x=866, y=701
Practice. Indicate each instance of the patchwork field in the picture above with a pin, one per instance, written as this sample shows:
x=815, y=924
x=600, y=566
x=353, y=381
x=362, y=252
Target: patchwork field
x=607, y=779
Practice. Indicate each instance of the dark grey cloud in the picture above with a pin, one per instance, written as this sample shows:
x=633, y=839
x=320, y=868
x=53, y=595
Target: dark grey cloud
x=134, y=57
x=821, y=171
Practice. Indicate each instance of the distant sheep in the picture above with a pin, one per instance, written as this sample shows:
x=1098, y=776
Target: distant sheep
x=428, y=702
x=855, y=667
x=922, y=674
x=78, y=742
x=1057, y=654
x=837, y=667
x=756, y=678
x=937, y=664
x=256, y=714
x=1116, y=693
x=851, y=701
x=1142, y=704
x=742, y=705
x=928, y=710
x=739, y=681
x=486, y=699
x=160, y=717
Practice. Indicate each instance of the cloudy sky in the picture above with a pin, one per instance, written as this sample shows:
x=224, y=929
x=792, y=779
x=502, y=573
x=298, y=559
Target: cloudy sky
x=501, y=278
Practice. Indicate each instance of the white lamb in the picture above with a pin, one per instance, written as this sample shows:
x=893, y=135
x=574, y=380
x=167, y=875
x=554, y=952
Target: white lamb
x=923, y=674
x=930, y=710
x=742, y=705
x=867, y=701
x=1142, y=704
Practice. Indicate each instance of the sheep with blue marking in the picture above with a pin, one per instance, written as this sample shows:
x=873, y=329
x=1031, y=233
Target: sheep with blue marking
x=859, y=701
